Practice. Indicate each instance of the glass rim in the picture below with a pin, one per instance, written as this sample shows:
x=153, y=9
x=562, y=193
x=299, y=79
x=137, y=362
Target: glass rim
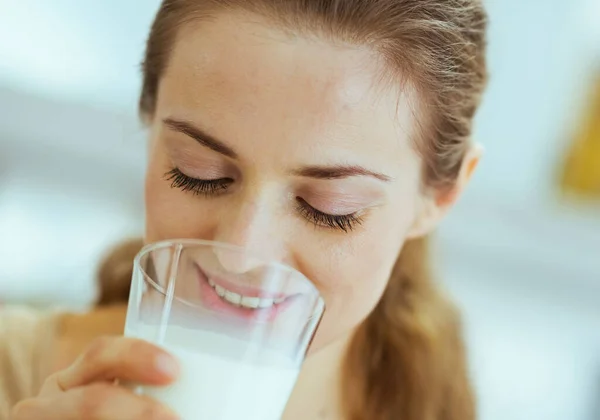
x=154, y=246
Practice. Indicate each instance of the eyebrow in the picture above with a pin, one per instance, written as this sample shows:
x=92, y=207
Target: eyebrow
x=339, y=172
x=200, y=136
x=317, y=172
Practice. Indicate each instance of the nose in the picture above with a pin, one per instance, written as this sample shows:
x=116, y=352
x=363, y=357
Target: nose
x=251, y=228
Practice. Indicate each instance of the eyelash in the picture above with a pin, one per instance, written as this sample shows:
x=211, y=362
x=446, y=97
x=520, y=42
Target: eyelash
x=197, y=186
x=345, y=223
x=209, y=188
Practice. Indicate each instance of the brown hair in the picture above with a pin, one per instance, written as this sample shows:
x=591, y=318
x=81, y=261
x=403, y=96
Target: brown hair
x=406, y=361
x=115, y=271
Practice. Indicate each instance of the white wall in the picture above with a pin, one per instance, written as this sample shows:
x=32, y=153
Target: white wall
x=541, y=56
x=71, y=183
x=78, y=51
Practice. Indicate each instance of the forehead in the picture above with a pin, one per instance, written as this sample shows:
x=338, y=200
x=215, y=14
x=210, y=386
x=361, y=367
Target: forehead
x=240, y=77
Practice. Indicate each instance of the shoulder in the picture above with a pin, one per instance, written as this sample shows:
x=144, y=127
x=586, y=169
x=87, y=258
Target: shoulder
x=35, y=343
x=25, y=337
x=22, y=328
x=75, y=332
x=14, y=318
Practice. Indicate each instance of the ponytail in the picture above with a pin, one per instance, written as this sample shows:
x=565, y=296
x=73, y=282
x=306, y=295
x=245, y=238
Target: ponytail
x=114, y=273
x=406, y=360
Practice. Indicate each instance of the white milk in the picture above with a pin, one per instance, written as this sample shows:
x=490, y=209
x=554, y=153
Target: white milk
x=213, y=387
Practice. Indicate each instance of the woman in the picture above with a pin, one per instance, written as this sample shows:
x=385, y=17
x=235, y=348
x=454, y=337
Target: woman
x=334, y=135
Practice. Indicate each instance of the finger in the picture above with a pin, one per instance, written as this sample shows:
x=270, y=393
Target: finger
x=94, y=402
x=126, y=359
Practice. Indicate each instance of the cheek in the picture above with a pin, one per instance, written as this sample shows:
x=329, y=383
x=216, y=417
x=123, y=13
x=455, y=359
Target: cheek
x=352, y=273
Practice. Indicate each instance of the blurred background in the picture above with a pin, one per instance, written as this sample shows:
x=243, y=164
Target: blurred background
x=521, y=253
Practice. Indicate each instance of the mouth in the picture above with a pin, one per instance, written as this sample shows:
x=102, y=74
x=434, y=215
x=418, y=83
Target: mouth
x=243, y=302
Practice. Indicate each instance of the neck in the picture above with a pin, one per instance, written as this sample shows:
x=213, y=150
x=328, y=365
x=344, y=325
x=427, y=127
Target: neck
x=317, y=392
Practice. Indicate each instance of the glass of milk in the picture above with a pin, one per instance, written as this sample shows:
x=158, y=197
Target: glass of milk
x=240, y=326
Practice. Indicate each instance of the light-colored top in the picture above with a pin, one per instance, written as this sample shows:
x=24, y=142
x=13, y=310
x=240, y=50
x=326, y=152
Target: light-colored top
x=26, y=341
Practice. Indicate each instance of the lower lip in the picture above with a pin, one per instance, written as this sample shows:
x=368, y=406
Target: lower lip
x=215, y=303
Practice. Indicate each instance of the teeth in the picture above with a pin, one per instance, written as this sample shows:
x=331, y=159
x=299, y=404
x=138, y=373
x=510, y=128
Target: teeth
x=220, y=290
x=244, y=301
x=250, y=302
x=233, y=297
x=266, y=303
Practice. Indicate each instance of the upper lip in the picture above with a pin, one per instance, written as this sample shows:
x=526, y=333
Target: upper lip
x=241, y=289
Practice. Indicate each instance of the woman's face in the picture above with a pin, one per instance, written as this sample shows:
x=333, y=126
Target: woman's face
x=289, y=146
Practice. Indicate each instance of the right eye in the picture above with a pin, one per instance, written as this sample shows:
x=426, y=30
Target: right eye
x=205, y=187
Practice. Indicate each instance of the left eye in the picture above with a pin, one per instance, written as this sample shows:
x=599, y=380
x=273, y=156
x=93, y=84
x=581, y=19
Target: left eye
x=344, y=223
x=207, y=187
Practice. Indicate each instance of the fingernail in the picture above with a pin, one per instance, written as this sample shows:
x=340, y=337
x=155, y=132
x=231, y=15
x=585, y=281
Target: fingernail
x=167, y=365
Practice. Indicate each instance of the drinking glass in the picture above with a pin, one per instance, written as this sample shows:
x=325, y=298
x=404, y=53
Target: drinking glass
x=240, y=326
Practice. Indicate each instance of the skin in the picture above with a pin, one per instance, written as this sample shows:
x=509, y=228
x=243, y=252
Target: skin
x=284, y=121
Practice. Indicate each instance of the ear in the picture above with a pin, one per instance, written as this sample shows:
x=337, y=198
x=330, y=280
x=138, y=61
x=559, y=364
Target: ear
x=435, y=205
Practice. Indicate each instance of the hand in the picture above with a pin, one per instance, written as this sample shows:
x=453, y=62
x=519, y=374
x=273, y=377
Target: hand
x=87, y=391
